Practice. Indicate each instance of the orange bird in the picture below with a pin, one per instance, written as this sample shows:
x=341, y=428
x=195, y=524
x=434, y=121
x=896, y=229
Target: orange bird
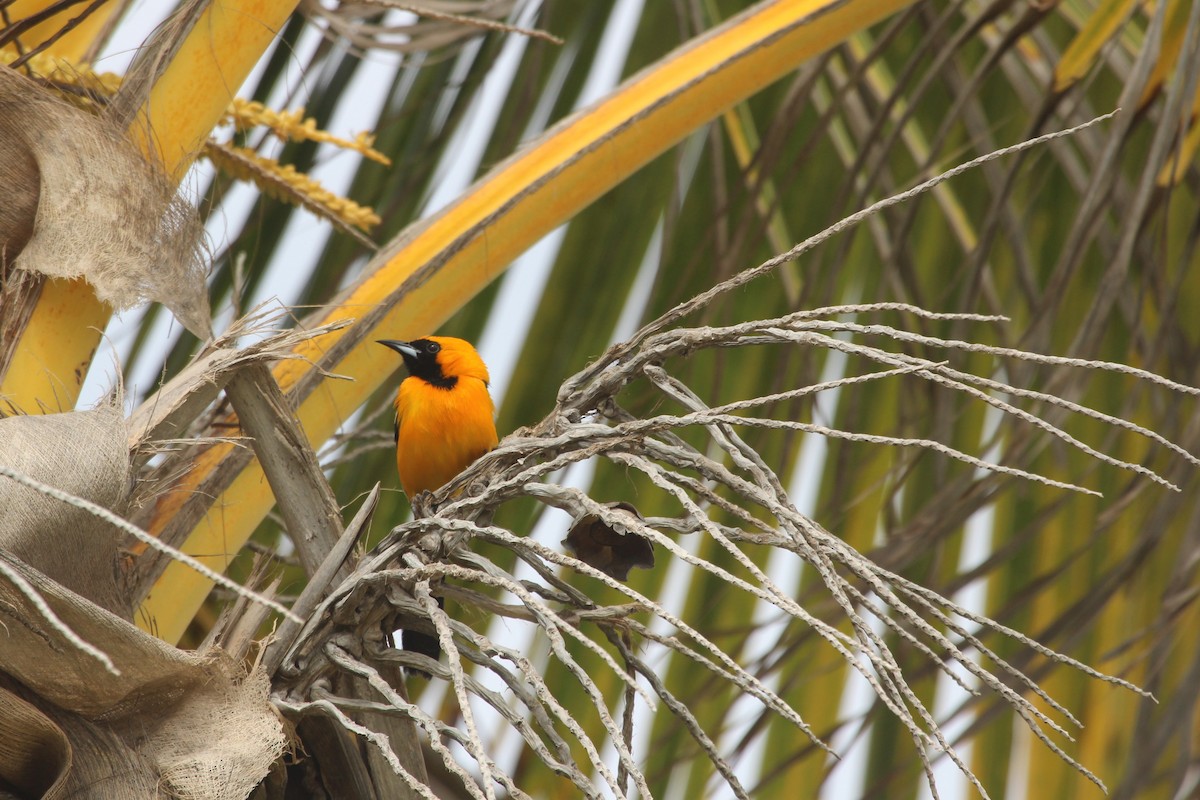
x=443, y=423
x=443, y=412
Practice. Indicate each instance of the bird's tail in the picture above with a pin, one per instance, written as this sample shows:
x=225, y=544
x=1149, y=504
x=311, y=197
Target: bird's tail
x=422, y=643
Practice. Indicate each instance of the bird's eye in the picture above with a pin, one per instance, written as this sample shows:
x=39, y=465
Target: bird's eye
x=433, y=347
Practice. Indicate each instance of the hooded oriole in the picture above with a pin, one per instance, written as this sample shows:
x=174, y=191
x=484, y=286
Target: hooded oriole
x=443, y=412
x=443, y=423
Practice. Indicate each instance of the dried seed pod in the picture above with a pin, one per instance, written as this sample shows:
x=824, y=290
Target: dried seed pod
x=612, y=549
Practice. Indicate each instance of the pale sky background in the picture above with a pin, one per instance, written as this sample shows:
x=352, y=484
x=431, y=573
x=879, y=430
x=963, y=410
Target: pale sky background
x=520, y=287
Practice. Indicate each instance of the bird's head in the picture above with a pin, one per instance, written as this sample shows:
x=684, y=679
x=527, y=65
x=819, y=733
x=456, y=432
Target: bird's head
x=440, y=360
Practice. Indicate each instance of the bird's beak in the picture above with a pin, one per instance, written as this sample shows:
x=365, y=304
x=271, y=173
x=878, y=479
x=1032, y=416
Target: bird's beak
x=403, y=348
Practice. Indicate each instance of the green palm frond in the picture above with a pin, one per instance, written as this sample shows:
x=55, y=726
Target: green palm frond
x=1087, y=244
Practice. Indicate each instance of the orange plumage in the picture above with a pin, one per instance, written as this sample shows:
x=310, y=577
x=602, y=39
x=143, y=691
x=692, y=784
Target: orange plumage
x=443, y=412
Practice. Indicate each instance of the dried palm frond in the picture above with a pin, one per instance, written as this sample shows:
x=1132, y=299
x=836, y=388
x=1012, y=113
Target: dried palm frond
x=722, y=490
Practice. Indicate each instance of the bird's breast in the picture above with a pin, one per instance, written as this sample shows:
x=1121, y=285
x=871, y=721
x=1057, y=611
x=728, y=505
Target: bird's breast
x=441, y=431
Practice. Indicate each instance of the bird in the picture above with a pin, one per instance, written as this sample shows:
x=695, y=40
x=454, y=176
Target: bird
x=444, y=422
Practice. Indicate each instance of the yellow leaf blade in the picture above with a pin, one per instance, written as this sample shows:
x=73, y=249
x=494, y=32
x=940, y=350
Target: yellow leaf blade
x=435, y=267
x=1080, y=56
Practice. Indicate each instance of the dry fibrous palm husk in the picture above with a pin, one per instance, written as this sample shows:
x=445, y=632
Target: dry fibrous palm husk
x=84, y=454
x=102, y=211
x=127, y=709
